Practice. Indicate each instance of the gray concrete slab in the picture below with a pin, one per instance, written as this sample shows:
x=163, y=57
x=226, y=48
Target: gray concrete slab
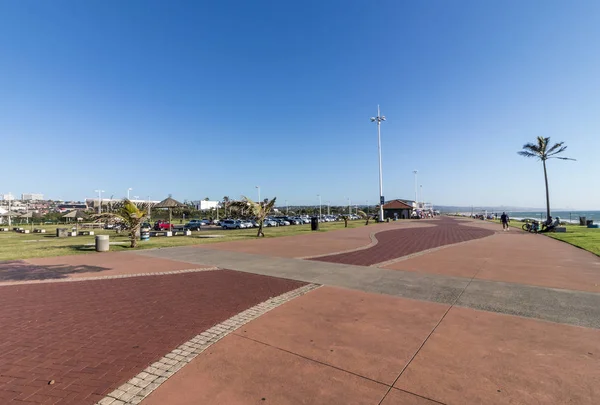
x=562, y=306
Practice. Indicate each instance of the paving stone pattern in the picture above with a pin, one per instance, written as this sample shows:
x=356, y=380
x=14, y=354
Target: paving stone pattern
x=139, y=387
x=74, y=343
x=402, y=242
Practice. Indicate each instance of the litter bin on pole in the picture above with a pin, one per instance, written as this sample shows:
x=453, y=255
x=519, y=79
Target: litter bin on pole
x=102, y=243
x=314, y=223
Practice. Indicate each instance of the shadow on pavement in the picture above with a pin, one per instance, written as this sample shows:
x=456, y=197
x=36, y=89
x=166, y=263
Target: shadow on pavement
x=18, y=270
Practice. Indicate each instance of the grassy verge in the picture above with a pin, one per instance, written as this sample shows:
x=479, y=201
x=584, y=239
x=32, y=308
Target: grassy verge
x=14, y=246
x=580, y=236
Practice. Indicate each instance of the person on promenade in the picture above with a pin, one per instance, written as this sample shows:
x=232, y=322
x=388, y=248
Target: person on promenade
x=505, y=220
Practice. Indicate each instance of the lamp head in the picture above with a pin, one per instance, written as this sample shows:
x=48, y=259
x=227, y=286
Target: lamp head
x=372, y=119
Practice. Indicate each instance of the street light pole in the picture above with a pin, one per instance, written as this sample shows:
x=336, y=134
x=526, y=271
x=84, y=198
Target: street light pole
x=349, y=206
x=128, y=190
x=423, y=200
x=99, y=200
x=258, y=187
x=378, y=119
x=328, y=206
x=416, y=194
x=319, y=195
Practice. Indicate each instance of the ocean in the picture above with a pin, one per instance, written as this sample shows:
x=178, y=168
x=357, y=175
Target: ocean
x=567, y=216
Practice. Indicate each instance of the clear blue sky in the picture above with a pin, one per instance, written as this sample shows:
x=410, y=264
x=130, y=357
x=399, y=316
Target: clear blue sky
x=207, y=99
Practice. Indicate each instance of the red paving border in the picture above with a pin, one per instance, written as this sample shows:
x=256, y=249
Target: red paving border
x=90, y=337
x=402, y=242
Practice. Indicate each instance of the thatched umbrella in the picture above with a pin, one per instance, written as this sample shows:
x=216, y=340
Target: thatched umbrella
x=77, y=214
x=170, y=204
x=9, y=215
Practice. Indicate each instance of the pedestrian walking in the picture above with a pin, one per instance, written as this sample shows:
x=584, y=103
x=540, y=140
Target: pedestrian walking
x=505, y=220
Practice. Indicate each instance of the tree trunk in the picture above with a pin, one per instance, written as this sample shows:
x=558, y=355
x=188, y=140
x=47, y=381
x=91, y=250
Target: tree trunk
x=260, y=230
x=345, y=222
x=133, y=238
x=367, y=223
x=547, y=192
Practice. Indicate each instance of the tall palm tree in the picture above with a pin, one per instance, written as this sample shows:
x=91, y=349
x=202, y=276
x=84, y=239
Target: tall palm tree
x=225, y=204
x=541, y=151
x=130, y=215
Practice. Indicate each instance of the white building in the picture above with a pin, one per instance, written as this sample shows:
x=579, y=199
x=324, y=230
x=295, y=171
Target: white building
x=206, y=205
x=32, y=197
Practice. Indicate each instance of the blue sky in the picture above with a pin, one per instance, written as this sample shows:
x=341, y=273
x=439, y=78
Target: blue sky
x=207, y=99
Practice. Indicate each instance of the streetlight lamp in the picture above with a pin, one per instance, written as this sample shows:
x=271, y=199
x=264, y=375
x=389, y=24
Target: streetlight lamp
x=422, y=202
x=128, y=190
x=328, y=206
x=378, y=119
x=99, y=200
x=349, y=204
x=416, y=195
x=319, y=195
x=258, y=187
x=287, y=209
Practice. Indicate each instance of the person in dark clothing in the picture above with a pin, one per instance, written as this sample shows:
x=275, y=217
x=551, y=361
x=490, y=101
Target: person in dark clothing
x=505, y=220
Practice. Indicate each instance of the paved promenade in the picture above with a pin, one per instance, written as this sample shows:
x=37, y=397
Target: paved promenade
x=462, y=313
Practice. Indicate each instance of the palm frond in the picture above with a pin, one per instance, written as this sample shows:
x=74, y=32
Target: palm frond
x=527, y=154
x=532, y=147
x=561, y=158
x=555, y=147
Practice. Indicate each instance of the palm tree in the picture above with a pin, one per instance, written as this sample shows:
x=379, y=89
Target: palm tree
x=541, y=151
x=259, y=210
x=225, y=204
x=364, y=215
x=130, y=215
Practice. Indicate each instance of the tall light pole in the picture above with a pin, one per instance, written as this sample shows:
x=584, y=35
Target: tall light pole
x=349, y=206
x=378, y=119
x=258, y=187
x=99, y=200
x=319, y=195
x=328, y=206
x=422, y=202
x=128, y=190
x=287, y=209
x=416, y=194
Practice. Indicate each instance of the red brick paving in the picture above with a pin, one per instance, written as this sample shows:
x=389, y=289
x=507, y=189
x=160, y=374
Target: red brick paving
x=92, y=265
x=92, y=336
x=402, y=242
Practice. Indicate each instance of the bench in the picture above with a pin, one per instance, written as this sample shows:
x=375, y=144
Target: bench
x=23, y=230
x=560, y=229
x=185, y=232
x=39, y=230
x=17, y=229
x=161, y=233
x=3, y=229
x=85, y=233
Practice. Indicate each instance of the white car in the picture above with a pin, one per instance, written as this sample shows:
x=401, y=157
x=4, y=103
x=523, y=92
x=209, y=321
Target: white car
x=270, y=222
x=232, y=224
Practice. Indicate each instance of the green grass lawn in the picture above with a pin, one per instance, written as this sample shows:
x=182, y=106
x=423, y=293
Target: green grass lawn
x=14, y=246
x=580, y=236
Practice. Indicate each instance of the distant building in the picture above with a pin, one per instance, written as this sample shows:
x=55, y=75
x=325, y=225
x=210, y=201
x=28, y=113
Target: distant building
x=32, y=197
x=7, y=197
x=397, y=209
x=204, y=205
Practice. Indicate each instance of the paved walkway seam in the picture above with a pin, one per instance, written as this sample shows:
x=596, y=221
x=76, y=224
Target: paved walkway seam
x=374, y=242
x=424, y=252
x=139, y=387
x=71, y=280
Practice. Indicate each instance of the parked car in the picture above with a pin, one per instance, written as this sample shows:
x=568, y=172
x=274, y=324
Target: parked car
x=248, y=224
x=232, y=224
x=194, y=225
x=162, y=226
x=293, y=220
x=270, y=222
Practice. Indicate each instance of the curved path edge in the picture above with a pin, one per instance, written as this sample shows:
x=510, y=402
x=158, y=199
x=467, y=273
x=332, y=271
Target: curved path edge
x=424, y=252
x=374, y=242
x=143, y=384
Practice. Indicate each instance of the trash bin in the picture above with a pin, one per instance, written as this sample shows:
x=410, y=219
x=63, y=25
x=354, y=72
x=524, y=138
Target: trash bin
x=387, y=220
x=62, y=232
x=314, y=224
x=582, y=221
x=145, y=234
x=589, y=222
x=102, y=243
